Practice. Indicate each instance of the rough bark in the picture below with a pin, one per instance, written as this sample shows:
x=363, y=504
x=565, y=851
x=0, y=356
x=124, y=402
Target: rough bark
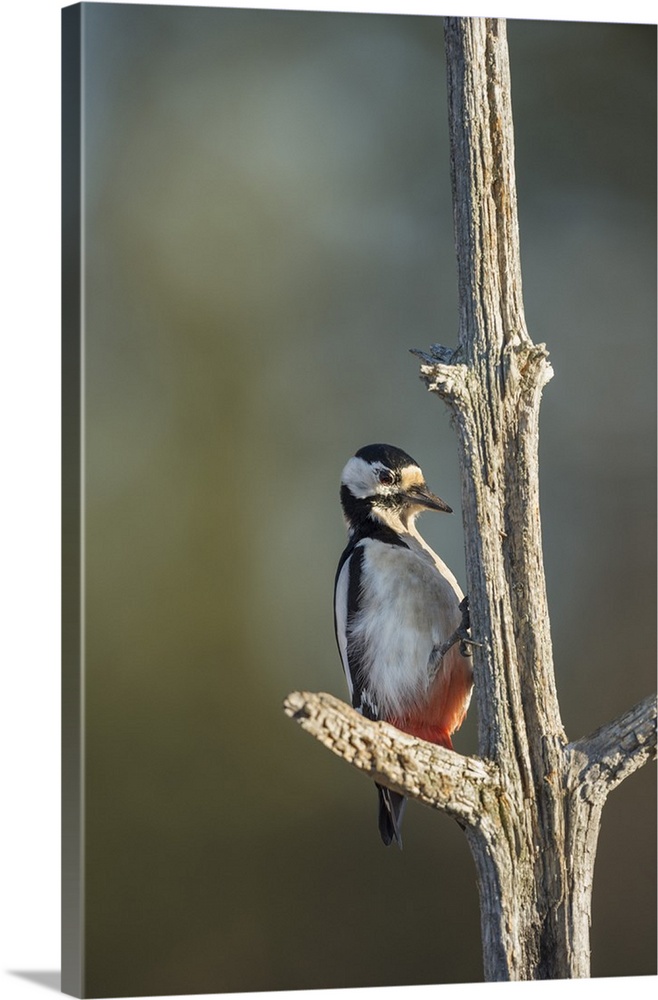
x=424, y=771
x=531, y=803
x=472, y=791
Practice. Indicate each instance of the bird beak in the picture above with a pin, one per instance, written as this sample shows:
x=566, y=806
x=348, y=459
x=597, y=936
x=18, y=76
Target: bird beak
x=421, y=496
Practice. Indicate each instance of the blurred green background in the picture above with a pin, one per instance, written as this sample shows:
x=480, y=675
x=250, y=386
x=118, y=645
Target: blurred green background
x=268, y=230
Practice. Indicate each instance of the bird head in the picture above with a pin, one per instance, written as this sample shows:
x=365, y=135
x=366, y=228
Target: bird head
x=384, y=483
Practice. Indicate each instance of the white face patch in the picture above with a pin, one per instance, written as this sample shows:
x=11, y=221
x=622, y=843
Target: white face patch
x=362, y=478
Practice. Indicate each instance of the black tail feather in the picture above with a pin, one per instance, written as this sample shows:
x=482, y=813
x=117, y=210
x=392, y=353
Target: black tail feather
x=391, y=811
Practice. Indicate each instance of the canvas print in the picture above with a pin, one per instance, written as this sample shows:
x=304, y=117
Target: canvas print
x=264, y=515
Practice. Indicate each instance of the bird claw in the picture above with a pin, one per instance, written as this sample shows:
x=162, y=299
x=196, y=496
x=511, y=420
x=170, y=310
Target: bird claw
x=463, y=632
x=460, y=635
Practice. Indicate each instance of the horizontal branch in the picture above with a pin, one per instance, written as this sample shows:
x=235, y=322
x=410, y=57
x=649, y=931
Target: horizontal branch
x=460, y=786
x=603, y=759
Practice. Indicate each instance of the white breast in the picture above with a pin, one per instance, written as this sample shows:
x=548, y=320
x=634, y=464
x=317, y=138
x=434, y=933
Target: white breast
x=409, y=606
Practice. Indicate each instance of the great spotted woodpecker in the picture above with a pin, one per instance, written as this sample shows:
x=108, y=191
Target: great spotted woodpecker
x=396, y=604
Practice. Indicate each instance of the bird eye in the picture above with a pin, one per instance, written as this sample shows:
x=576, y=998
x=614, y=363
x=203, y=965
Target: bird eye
x=386, y=477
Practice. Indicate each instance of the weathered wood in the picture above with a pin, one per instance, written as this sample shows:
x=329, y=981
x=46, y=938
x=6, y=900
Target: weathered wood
x=536, y=887
x=471, y=791
x=531, y=804
x=496, y=418
x=438, y=777
x=601, y=761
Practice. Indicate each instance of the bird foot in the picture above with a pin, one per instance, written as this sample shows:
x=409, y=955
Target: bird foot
x=461, y=635
x=463, y=632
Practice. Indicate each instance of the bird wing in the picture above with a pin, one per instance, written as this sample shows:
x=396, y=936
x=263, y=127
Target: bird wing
x=347, y=596
x=347, y=593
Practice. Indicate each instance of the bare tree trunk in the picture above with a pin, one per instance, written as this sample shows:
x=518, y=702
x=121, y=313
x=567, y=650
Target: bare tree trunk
x=531, y=808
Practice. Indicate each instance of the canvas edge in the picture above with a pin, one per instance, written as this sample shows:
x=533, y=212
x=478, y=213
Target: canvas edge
x=72, y=899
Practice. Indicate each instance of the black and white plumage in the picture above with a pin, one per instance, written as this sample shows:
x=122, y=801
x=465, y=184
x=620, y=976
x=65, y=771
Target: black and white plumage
x=396, y=604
